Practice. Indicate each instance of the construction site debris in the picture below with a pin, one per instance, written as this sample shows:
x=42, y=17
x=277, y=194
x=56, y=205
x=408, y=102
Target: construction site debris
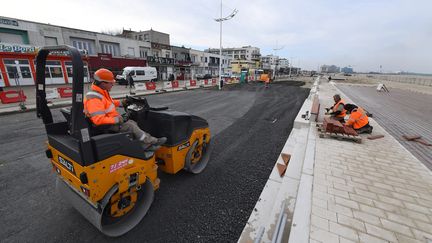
x=286, y=158
x=373, y=137
x=416, y=138
x=411, y=137
x=281, y=168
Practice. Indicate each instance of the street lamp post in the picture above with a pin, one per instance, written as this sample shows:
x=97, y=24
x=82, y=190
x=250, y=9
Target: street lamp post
x=220, y=20
x=290, y=65
x=277, y=58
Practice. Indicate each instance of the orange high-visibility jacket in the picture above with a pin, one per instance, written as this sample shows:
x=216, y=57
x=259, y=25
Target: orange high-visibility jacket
x=100, y=107
x=358, y=118
x=335, y=108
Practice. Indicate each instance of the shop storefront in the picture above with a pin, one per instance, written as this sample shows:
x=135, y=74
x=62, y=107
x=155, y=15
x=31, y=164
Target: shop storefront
x=18, y=67
x=115, y=64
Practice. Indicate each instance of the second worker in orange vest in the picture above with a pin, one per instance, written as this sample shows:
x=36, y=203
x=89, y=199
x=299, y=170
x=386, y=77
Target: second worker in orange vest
x=358, y=119
x=338, y=111
x=101, y=109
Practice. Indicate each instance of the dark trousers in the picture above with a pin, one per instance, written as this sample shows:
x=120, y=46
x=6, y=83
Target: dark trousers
x=365, y=129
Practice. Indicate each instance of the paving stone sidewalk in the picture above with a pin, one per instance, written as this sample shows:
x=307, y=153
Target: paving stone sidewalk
x=371, y=192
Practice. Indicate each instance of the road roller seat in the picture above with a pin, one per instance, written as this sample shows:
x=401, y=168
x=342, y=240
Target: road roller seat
x=94, y=130
x=105, y=144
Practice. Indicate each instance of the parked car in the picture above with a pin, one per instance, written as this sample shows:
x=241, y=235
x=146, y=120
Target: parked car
x=138, y=74
x=205, y=76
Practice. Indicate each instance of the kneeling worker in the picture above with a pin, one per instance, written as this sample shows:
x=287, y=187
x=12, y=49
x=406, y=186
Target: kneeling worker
x=101, y=109
x=358, y=119
x=337, y=110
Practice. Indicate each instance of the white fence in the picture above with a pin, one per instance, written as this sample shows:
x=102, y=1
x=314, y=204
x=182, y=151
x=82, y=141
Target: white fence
x=410, y=79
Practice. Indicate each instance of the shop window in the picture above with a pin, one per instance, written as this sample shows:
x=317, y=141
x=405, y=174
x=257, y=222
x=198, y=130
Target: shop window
x=56, y=72
x=69, y=69
x=18, y=69
x=12, y=71
x=83, y=44
x=52, y=69
x=25, y=72
x=110, y=48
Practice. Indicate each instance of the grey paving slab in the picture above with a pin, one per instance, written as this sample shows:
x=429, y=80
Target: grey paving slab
x=400, y=112
x=376, y=191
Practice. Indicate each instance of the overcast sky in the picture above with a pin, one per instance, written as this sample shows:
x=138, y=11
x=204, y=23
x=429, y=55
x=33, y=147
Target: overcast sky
x=365, y=34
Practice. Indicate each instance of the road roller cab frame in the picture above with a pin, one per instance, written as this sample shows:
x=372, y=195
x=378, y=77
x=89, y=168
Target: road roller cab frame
x=108, y=177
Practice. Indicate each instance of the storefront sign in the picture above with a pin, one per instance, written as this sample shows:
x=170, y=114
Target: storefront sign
x=8, y=22
x=16, y=48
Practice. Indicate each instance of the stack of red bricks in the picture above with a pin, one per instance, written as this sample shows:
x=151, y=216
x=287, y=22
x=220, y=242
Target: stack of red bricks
x=333, y=126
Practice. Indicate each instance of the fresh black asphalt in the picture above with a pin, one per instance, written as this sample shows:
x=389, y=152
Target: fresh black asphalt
x=249, y=125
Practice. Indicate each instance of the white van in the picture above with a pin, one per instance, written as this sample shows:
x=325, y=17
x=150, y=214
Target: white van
x=138, y=74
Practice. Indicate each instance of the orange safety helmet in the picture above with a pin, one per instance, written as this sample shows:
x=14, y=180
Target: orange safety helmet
x=104, y=75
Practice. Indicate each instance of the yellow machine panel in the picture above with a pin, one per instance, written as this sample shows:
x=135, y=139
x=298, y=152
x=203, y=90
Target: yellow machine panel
x=104, y=174
x=174, y=157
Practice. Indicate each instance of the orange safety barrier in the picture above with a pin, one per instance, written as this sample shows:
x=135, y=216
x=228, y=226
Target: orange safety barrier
x=65, y=92
x=214, y=81
x=205, y=81
x=192, y=82
x=12, y=96
x=150, y=86
x=175, y=84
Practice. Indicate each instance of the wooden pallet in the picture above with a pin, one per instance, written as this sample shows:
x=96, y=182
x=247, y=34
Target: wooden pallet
x=339, y=136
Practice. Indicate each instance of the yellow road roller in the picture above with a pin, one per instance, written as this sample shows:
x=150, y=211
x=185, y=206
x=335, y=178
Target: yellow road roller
x=109, y=177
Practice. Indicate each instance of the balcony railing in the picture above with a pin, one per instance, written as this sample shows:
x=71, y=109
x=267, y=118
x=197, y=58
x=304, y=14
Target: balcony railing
x=160, y=60
x=182, y=62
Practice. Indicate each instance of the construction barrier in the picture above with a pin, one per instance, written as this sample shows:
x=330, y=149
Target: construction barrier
x=175, y=84
x=65, y=92
x=192, y=83
x=202, y=82
x=52, y=93
x=150, y=86
x=140, y=86
x=12, y=96
x=214, y=81
x=167, y=85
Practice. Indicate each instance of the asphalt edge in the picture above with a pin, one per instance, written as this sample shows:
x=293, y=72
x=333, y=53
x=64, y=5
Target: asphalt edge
x=274, y=218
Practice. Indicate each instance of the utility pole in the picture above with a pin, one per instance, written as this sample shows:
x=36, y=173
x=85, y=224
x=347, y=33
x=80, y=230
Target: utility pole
x=220, y=20
x=277, y=58
x=291, y=60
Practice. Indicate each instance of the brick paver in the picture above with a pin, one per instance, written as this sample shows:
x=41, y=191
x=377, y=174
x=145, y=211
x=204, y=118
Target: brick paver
x=370, y=192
